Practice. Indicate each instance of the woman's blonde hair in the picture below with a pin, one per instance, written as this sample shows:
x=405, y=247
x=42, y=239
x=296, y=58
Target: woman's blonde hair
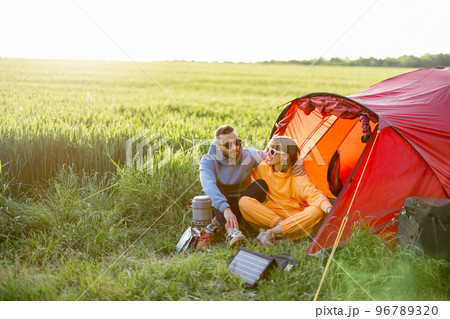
x=287, y=145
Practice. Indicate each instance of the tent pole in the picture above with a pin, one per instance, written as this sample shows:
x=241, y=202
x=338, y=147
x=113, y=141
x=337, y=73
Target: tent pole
x=341, y=230
x=344, y=220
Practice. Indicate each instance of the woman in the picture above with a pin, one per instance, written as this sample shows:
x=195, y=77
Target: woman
x=295, y=205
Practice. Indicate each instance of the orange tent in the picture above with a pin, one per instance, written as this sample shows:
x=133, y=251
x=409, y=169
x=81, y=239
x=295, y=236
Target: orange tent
x=370, y=151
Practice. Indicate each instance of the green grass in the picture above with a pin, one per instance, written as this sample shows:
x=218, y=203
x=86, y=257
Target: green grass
x=82, y=113
x=63, y=130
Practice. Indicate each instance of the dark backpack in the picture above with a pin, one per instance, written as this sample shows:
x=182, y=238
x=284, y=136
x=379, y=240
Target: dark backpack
x=424, y=225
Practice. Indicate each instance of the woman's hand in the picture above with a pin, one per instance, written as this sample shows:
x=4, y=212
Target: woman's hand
x=265, y=154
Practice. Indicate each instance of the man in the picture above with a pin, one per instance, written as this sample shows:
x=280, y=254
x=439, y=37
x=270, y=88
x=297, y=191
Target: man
x=225, y=176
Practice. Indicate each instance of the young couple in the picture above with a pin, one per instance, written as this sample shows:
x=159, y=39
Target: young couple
x=294, y=204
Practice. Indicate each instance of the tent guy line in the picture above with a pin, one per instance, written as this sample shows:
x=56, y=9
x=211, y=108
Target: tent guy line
x=408, y=121
x=137, y=239
x=136, y=62
x=180, y=106
x=315, y=61
x=308, y=235
x=330, y=256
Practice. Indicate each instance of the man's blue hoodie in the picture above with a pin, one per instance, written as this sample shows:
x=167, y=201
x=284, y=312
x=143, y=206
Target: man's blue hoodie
x=233, y=177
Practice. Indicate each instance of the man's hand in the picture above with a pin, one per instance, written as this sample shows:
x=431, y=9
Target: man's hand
x=298, y=169
x=230, y=218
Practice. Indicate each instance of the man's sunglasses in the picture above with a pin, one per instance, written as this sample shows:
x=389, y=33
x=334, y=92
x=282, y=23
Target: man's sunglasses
x=273, y=151
x=228, y=145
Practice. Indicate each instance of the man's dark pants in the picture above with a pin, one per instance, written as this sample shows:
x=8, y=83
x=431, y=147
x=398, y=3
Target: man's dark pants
x=256, y=190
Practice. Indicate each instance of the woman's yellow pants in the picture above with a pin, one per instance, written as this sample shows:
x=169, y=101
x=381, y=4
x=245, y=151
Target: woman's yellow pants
x=294, y=222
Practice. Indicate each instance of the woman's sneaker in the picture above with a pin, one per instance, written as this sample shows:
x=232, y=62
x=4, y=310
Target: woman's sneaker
x=235, y=238
x=264, y=238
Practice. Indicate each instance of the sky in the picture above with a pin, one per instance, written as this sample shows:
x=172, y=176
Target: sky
x=238, y=31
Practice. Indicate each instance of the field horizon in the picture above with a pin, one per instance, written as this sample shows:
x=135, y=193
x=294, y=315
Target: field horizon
x=78, y=223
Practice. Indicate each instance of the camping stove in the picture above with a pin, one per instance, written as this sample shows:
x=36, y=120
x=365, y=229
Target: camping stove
x=201, y=211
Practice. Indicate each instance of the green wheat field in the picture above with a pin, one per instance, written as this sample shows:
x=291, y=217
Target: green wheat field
x=78, y=223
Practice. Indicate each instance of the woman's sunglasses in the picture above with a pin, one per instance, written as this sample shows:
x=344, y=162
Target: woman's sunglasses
x=228, y=145
x=273, y=151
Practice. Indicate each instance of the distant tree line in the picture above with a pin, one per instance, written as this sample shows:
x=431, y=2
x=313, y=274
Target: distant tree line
x=405, y=61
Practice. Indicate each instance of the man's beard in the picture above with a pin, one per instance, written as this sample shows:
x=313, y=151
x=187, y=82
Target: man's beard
x=232, y=157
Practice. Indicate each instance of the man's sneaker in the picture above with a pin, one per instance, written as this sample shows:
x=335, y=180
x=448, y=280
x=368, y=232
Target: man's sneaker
x=235, y=238
x=264, y=238
x=213, y=228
